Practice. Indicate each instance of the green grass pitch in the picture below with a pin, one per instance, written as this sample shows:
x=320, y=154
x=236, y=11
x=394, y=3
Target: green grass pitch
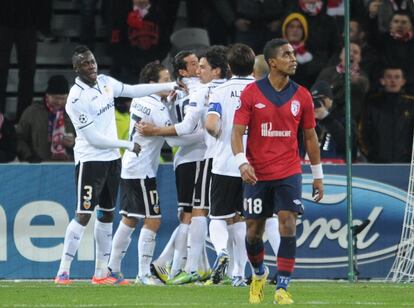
x=305, y=294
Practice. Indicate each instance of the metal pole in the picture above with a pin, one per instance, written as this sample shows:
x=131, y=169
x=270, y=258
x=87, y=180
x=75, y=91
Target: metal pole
x=351, y=273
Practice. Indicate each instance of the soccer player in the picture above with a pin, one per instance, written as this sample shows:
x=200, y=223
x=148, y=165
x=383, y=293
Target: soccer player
x=139, y=197
x=90, y=106
x=273, y=109
x=213, y=72
x=226, y=226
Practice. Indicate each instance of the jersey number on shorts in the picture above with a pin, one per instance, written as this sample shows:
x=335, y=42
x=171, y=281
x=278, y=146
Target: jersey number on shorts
x=154, y=197
x=253, y=206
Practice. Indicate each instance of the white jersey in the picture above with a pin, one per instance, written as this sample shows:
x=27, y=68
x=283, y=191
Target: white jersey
x=86, y=105
x=148, y=109
x=193, y=152
x=227, y=97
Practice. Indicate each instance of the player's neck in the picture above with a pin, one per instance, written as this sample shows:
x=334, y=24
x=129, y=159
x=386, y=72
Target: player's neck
x=278, y=81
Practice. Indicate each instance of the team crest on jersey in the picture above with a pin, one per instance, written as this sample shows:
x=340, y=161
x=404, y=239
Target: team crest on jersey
x=295, y=107
x=83, y=118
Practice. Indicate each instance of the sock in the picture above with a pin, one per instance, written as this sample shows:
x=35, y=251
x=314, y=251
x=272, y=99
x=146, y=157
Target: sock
x=103, y=244
x=255, y=253
x=239, y=246
x=231, y=251
x=272, y=232
x=204, y=265
x=219, y=234
x=120, y=244
x=285, y=261
x=73, y=236
x=146, y=246
x=167, y=254
x=198, y=233
x=180, y=251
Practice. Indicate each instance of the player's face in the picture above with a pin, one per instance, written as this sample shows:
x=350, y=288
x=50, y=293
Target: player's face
x=284, y=61
x=191, y=67
x=86, y=67
x=205, y=71
x=164, y=76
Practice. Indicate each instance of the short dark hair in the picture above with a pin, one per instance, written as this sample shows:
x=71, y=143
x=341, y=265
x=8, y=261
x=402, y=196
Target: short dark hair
x=217, y=58
x=80, y=49
x=272, y=47
x=151, y=72
x=392, y=67
x=241, y=59
x=178, y=62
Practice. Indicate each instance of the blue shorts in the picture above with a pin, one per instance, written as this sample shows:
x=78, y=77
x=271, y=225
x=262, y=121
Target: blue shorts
x=268, y=197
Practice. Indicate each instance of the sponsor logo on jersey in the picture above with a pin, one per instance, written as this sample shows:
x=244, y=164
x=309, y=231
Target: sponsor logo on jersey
x=295, y=107
x=260, y=106
x=83, y=118
x=266, y=131
x=106, y=108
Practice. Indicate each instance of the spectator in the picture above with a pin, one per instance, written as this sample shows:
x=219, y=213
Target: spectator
x=382, y=11
x=386, y=128
x=7, y=140
x=18, y=26
x=335, y=76
x=45, y=132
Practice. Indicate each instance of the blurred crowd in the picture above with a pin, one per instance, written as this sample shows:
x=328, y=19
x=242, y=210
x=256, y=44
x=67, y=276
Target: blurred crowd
x=141, y=31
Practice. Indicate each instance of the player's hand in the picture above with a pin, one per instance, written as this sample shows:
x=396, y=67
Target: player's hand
x=181, y=86
x=247, y=174
x=68, y=140
x=317, y=190
x=145, y=128
x=137, y=148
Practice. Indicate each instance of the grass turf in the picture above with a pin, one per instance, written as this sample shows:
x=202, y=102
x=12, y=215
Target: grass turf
x=307, y=294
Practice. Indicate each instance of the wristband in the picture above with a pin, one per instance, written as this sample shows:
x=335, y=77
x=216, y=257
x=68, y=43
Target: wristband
x=317, y=172
x=240, y=159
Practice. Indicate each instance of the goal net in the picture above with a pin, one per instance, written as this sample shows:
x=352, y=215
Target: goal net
x=403, y=268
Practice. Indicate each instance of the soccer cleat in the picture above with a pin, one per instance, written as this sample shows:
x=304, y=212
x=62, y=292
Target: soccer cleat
x=219, y=267
x=160, y=271
x=184, y=277
x=238, y=281
x=119, y=278
x=204, y=275
x=63, y=279
x=282, y=297
x=256, y=293
x=104, y=280
x=148, y=280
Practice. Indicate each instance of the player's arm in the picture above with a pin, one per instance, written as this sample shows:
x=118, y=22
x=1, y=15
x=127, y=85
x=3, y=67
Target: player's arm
x=246, y=170
x=179, y=141
x=213, y=124
x=312, y=148
x=145, y=89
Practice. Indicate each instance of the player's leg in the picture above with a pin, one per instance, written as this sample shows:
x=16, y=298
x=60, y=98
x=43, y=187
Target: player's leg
x=256, y=208
x=240, y=255
x=149, y=207
x=87, y=185
x=288, y=205
x=272, y=233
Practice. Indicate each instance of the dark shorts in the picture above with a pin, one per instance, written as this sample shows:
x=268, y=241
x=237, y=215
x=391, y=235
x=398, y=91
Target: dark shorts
x=185, y=177
x=97, y=185
x=139, y=198
x=226, y=196
x=201, y=198
x=268, y=197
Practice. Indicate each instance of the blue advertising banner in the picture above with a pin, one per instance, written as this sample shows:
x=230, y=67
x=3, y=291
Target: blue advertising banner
x=38, y=201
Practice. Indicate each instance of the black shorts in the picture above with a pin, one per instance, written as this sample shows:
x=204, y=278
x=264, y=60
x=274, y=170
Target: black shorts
x=185, y=176
x=139, y=198
x=226, y=196
x=97, y=185
x=265, y=198
x=201, y=198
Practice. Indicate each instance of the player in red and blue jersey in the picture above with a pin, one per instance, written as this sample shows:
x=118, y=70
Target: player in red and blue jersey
x=272, y=110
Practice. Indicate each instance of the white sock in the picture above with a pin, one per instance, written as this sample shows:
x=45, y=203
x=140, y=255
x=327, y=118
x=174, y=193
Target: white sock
x=230, y=249
x=146, y=246
x=203, y=264
x=103, y=244
x=120, y=244
x=180, y=251
x=73, y=236
x=186, y=266
x=167, y=254
x=240, y=254
x=272, y=232
x=219, y=234
x=198, y=233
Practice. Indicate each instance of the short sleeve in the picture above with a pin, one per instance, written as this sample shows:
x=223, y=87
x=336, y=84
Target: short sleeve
x=243, y=112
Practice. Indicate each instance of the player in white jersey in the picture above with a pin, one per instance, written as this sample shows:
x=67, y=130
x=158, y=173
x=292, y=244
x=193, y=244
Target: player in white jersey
x=90, y=106
x=226, y=227
x=213, y=71
x=139, y=197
